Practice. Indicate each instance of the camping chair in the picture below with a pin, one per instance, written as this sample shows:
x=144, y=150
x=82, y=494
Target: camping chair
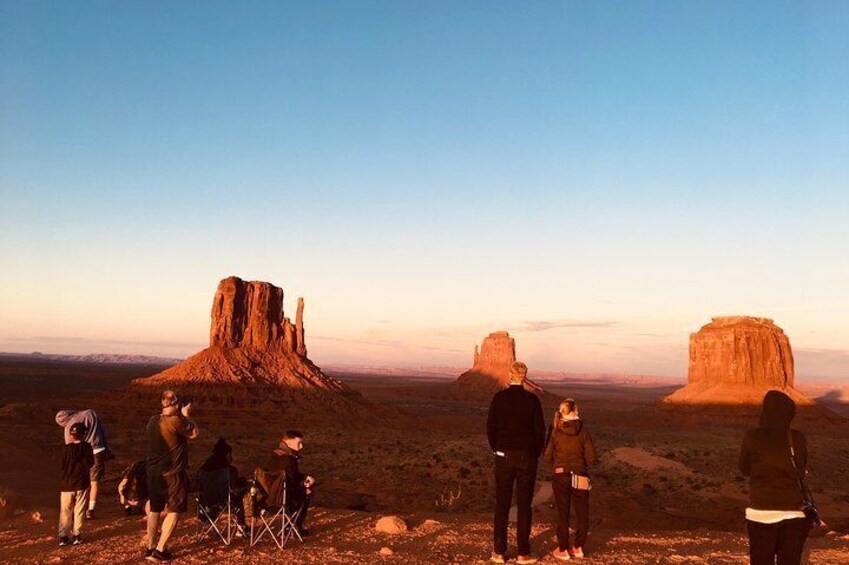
x=215, y=506
x=268, y=503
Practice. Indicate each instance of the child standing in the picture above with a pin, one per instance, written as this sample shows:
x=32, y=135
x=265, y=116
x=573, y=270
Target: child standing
x=77, y=460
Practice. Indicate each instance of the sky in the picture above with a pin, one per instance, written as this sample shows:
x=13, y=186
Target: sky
x=598, y=178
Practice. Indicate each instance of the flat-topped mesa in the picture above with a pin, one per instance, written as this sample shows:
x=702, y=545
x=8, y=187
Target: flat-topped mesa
x=251, y=342
x=491, y=365
x=250, y=314
x=735, y=360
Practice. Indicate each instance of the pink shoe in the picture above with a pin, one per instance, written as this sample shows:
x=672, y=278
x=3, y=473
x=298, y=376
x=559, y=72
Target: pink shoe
x=577, y=553
x=561, y=554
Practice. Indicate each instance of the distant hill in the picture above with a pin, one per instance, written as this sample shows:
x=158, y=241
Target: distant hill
x=95, y=358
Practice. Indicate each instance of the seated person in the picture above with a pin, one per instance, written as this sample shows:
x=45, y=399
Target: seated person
x=222, y=458
x=299, y=486
x=132, y=490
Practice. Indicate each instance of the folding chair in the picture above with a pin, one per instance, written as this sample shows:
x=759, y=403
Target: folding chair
x=268, y=503
x=215, y=506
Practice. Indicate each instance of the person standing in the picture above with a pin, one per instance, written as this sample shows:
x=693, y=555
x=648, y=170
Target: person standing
x=77, y=460
x=774, y=456
x=168, y=435
x=516, y=432
x=96, y=437
x=570, y=451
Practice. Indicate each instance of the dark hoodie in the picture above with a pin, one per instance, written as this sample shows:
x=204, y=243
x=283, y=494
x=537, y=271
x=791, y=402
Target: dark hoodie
x=571, y=447
x=765, y=456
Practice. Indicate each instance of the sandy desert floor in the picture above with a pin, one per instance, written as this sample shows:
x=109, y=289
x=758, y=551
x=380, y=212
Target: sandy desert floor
x=666, y=490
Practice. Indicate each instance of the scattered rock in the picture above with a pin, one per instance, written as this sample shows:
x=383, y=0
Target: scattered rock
x=386, y=551
x=36, y=517
x=391, y=525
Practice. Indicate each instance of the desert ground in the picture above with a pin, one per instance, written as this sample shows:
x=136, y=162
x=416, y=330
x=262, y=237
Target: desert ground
x=667, y=489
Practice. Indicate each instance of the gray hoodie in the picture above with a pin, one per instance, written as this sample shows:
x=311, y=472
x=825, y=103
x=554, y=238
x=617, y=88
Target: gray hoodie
x=95, y=430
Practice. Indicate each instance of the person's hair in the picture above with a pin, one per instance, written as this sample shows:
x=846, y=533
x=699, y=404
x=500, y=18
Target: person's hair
x=222, y=447
x=518, y=372
x=78, y=430
x=292, y=434
x=571, y=408
x=169, y=398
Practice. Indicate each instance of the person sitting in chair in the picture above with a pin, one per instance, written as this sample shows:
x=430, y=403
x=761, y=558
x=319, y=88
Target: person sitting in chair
x=299, y=486
x=222, y=458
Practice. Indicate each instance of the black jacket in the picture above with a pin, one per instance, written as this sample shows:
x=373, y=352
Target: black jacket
x=515, y=421
x=285, y=460
x=765, y=457
x=77, y=460
x=571, y=447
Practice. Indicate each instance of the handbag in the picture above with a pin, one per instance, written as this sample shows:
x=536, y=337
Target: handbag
x=809, y=507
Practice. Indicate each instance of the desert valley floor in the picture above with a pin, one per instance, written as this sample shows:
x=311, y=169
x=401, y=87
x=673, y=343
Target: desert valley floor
x=667, y=489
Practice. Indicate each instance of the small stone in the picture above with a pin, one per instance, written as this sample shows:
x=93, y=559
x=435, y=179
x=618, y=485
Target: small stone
x=385, y=551
x=36, y=517
x=391, y=525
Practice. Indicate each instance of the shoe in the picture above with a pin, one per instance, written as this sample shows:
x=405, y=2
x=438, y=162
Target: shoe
x=89, y=514
x=497, y=558
x=561, y=554
x=148, y=552
x=526, y=559
x=577, y=553
x=65, y=540
x=77, y=540
x=159, y=556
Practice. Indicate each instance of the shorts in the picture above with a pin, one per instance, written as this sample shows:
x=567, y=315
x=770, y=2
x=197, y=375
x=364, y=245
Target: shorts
x=168, y=492
x=95, y=474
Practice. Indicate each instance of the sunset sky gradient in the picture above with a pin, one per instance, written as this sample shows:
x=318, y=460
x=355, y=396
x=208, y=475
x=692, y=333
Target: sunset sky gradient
x=598, y=178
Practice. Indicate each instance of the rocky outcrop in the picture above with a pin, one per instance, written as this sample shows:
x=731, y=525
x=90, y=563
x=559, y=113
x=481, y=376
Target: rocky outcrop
x=251, y=342
x=735, y=360
x=491, y=366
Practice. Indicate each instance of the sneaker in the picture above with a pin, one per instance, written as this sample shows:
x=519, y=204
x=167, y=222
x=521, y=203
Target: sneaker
x=89, y=514
x=526, y=559
x=65, y=540
x=160, y=556
x=561, y=554
x=577, y=553
x=77, y=540
x=497, y=558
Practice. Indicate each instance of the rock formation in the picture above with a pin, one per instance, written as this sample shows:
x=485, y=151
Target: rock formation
x=491, y=368
x=251, y=342
x=735, y=360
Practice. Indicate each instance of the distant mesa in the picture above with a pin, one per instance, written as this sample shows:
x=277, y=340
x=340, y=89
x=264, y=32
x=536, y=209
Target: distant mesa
x=490, y=371
x=736, y=360
x=252, y=343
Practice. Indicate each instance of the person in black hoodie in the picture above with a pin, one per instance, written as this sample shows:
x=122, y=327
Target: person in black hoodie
x=222, y=458
x=569, y=451
x=77, y=460
x=775, y=521
x=299, y=486
x=515, y=429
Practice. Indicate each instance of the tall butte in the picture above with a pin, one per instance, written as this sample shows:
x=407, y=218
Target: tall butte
x=491, y=368
x=736, y=360
x=251, y=342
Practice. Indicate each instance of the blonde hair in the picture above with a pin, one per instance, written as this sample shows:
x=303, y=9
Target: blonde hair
x=571, y=408
x=518, y=372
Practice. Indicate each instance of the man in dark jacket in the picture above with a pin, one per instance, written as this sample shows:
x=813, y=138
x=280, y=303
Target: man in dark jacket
x=299, y=486
x=516, y=432
x=774, y=518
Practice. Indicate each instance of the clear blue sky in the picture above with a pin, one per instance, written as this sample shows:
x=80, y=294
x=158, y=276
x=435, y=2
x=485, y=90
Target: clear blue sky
x=423, y=167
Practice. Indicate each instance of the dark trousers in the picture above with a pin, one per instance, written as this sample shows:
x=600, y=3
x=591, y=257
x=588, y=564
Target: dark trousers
x=518, y=467
x=780, y=543
x=303, y=503
x=566, y=497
